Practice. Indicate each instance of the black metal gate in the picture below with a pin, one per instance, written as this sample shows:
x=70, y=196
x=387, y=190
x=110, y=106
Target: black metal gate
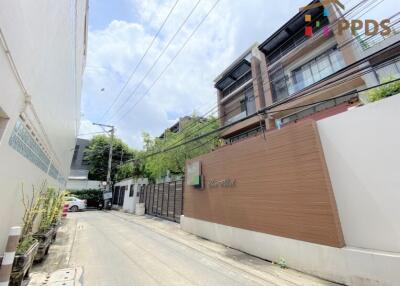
x=163, y=200
x=118, y=196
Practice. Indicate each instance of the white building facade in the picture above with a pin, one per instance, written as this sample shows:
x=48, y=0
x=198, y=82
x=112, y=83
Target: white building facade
x=42, y=59
x=127, y=192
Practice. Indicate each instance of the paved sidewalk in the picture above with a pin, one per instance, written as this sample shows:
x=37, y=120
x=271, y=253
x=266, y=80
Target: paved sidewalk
x=114, y=248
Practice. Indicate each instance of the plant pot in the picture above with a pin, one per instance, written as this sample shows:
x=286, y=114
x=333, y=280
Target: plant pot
x=22, y=264
x=45, y=239
x=55, y=226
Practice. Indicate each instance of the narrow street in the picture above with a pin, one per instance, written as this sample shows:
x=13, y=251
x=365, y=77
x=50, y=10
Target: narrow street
x=115, y=248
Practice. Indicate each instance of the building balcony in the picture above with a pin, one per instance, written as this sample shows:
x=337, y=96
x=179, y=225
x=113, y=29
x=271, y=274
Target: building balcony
x=287, y=82
x=235, y=118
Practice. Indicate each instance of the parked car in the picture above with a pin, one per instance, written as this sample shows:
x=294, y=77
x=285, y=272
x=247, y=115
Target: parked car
x=75, y=204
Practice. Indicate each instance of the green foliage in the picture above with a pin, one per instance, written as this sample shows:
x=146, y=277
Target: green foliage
x=45, y=203
x=282, y=263
x=97, y=156
x=384, y=90
x=51, y=208
x=174, y=160
x=33, y=208
x=25, y=244
x=90, y=194
x=134, y=169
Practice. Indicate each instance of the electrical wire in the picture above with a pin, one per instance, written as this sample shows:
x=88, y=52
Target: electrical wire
x=313, y=91
x=314, y=39
x=140, y=61
x=262, y=112
x=156, y=60
x=171, y=61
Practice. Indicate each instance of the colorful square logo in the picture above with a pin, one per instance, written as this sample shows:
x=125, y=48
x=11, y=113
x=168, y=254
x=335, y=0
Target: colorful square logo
x=316, y=22
x=308, y=31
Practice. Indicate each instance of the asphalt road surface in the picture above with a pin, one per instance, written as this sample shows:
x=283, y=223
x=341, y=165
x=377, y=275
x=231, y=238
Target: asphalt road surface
x=116, y=249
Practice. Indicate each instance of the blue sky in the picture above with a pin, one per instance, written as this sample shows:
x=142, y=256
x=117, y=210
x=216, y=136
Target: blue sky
x=121, y=30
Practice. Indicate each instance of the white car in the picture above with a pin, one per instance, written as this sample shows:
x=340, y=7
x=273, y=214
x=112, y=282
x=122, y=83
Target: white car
x=75, y=204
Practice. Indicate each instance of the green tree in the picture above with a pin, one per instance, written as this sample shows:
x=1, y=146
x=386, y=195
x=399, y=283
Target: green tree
x=174, y=161
x=386, y=90
x=133, y=169
x=97, y=156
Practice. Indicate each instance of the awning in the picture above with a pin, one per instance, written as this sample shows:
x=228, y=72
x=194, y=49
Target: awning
x=234, y=74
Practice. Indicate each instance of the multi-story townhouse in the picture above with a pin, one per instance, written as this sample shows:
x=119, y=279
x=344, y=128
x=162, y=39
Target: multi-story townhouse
x=294, y=75
x=240, y=94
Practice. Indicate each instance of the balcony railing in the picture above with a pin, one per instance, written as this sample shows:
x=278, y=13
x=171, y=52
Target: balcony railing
x=235, y=118
x=284, y=84
x=367, y=42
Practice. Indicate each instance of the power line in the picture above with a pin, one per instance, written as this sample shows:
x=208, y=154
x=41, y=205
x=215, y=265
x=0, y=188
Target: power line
x=172, y=60
x=141, y=60
x=307, y=105
x=156, y=60
x=194, y=123
x=314, y=39
x=337, y=81
x=262, y=111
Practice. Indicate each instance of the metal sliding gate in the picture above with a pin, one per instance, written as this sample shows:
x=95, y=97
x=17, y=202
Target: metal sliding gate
x=163, y=200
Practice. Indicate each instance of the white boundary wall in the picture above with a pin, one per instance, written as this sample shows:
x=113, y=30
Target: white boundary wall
x=362, y=151
x=352, y=266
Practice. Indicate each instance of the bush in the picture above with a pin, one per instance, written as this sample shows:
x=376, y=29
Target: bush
x=92, y=196
x=384, y=90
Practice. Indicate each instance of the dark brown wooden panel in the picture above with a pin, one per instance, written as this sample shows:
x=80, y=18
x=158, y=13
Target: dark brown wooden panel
x=282, y=187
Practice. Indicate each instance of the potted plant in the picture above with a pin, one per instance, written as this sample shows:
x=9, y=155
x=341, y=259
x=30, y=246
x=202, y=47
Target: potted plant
x=48, y=224
x=28, y=245
x=56, y=213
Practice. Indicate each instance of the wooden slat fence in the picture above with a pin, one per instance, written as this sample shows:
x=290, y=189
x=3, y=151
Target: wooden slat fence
x=164, y=199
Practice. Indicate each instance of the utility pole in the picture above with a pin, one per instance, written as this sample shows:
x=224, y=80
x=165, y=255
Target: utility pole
x=110, y=159
x=112, y=131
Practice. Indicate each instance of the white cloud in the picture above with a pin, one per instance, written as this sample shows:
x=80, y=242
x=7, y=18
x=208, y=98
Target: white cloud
x=188, y=84
x=88, y=130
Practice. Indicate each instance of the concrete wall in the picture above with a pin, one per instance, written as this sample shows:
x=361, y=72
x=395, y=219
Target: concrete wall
x=361, y=149
x=83, y=184
x=46, y=40
x=362, y=153
x=131, y=201
x=351, y=266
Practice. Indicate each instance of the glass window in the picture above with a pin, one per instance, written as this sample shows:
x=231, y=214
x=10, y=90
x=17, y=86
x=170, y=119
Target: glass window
x=131, y=191
x=315, y=71
x=324, y=66
x=298, y=79
x=243, y=105
x=307, y=74
x=387, y=72
x=250, y=101
x=278, y=84
x=336, y=60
